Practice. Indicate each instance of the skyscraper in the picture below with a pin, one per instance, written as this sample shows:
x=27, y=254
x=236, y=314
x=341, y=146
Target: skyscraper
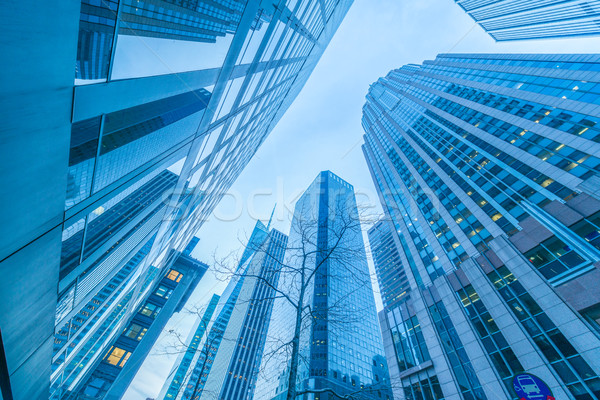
x=487, y=165
x=181, y=369
x=388, y=265
x=98, y=171
x=226, y=363
x=326, y=272
x=123, y=353
x=531, y=19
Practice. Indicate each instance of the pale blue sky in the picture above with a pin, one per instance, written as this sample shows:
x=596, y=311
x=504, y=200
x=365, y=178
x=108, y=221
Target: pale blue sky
x=322, y=129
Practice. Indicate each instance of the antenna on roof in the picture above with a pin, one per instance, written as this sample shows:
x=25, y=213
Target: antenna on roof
x=271, y=217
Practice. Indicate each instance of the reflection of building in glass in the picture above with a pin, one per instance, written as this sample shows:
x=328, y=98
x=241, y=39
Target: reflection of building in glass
x=532, y=19
x=226, y=364
x=487, y=166
x=340, y=340
x=125, y=350
x=198, y=21
x=105, y=182
x=181, y=370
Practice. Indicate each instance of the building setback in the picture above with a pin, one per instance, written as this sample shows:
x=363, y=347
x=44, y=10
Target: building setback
x=531, y=19
x=106, y=179
x=340, y=341
x=487, y=166
x=226, y=363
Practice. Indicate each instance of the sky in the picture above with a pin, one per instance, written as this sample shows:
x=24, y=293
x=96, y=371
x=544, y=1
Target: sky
x=322, y=131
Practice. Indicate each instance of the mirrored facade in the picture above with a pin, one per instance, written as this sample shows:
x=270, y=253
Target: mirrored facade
x=171, y=99
x=122, y=354
x=340, y=344
x=226, y=361
x=487, y=166
x=533, y=19
x=181, y=370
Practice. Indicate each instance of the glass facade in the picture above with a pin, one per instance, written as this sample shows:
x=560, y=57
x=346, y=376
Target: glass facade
x=340, y=348
x=182, y=366
x=490, y=162
x=151, y=156
x=108, y=376
x=226, y=362
x=388, y=266
x=102, y=21
x=534, y=19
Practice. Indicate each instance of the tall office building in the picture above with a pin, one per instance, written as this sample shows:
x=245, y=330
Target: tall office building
x=487, y=165
x=98, y=172
x=123, y=353
x=403, y=340
x=340, y=344
x=226, y=362
x=181, y=370
x=393, y=282
x=532, y=19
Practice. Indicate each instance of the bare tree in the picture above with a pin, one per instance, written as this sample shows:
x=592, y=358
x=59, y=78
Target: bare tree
x=203, y=351
x=317, y=290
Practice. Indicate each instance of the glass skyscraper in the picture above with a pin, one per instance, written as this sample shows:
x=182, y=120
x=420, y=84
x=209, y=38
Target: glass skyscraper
x=104, y=182
x=534, y=19
x=340, y=341
x=388, y=265
x=487, y=166
x=225, y=364
x=123, y=352
x=181, y=369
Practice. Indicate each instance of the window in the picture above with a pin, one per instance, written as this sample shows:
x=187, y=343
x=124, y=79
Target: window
x=150, y=310
x=174, y=275
x=163, y=292
x=589, y=229
x=135, y=331
x=553, y=257
x=563, y=357
x=117, y=356
x=94, y=387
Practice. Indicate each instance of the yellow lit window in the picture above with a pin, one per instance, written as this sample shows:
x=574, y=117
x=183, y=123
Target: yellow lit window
x=581, y=132
x=124, y=359
x=117, y=356
x=496, y=217
x=174, y=275
x=547, y=182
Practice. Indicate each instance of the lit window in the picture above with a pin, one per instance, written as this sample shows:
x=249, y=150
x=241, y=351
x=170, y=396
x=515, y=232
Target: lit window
x=117, y=356
x=163, y=291
x=150, y=310
x=174, y=275
x=124, y=359
x=135, y=331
